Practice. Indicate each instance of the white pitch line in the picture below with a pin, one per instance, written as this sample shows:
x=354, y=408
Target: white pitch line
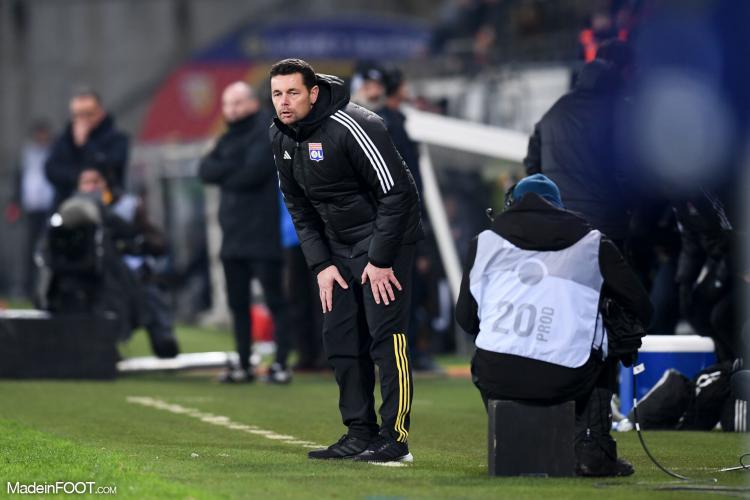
x=220, y=420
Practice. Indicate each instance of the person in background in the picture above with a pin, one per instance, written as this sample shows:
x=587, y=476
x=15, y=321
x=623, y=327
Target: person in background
x=89, y=140
x=708, y=272
x=574, y=145
x=396, y=94
x=139, y=242
x=241, y=164
x=33, y=197
x=368, y=86
x=395, y=121
x=305, y=317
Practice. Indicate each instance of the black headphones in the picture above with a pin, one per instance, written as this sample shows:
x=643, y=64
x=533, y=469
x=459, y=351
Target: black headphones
x=509, y=198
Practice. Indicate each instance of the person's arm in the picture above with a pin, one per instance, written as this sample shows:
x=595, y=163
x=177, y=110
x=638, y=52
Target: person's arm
x=533, y=160
x=307, y=221
x=467, y=309
x=154, y=241
x=621, y=284
x=61, y=167
x=375, y=159
x=256, y=169
x=217, y=164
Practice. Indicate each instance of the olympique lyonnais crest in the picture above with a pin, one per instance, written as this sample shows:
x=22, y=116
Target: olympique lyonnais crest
x=316, y=151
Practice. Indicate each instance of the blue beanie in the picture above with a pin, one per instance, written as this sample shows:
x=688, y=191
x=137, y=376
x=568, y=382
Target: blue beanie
x=541, y=185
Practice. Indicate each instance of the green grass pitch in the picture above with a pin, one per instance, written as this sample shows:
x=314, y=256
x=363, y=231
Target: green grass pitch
x=91, y=431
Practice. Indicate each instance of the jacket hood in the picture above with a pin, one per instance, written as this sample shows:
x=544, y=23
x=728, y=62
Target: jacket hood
x=332, y=96
x=533, y=223
x=599, y=76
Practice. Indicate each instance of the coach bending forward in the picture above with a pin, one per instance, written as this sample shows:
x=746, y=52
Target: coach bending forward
x=356, y=210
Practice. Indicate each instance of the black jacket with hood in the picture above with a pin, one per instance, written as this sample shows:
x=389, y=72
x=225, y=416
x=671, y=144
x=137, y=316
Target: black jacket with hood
x=574, y=145
x=534, y=224
x=345, y=185
x=106, y=149
x=241, y=164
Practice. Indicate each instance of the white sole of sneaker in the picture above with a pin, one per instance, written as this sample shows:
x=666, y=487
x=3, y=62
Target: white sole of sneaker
x=401, y=462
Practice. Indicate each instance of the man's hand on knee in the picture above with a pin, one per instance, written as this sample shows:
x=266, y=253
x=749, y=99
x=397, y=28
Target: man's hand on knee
x=326, y=278
x=381, y=279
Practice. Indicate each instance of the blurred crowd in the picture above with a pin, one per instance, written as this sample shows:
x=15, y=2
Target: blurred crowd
x=670, y=200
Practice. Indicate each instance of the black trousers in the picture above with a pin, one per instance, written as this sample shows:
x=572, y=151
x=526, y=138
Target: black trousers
x=35, y=225
x=305, y=317
x=238, y=274
x=359, y=334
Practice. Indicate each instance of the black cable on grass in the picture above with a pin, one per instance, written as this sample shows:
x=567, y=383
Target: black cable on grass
x=640, y=435
x=743, y=465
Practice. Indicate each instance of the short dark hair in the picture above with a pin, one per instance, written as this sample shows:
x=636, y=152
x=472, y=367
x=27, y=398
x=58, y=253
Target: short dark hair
x=291, y=66
x=86, y=91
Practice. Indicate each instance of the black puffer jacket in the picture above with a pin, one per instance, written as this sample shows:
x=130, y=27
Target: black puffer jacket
x=241, y=164
x=573, y=144
x=708, y=236
x=106, y=149
x=343, y=181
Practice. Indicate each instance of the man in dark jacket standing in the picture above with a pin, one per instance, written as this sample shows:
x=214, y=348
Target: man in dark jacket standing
x=531, y=294
x=710, y=285
x=89, y=140
x=241, y=164
x=574, y=144
x=356, y=211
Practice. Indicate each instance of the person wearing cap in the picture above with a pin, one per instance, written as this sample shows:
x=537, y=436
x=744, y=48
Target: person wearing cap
x=368, y=86
x=531, y=294
x=395, y=121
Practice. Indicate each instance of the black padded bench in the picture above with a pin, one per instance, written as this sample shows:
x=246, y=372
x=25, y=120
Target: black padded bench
x=35, y=344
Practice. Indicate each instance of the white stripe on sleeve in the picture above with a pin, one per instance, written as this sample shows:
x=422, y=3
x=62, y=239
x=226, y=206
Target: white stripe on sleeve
x=369, y=148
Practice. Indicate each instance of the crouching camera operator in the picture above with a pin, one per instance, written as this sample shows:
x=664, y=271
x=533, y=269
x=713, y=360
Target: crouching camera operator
x=98, y=258
x=533, y=293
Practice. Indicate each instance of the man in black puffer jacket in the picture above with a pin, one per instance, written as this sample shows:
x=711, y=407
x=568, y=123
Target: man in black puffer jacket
x=356, y=210
x=241, y=164
x=574, y=145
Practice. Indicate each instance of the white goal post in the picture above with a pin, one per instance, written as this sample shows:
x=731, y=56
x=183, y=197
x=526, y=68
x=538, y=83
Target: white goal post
x=461, y=135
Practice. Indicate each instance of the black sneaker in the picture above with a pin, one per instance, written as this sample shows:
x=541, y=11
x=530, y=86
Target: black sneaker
x=346, y=447
x=385, y=449
x=617, y=468
x=236, y=376
x=599, y=458
x=277, y=374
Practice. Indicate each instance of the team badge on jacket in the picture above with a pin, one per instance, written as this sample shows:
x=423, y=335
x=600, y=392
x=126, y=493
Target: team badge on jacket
x=316, y=151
